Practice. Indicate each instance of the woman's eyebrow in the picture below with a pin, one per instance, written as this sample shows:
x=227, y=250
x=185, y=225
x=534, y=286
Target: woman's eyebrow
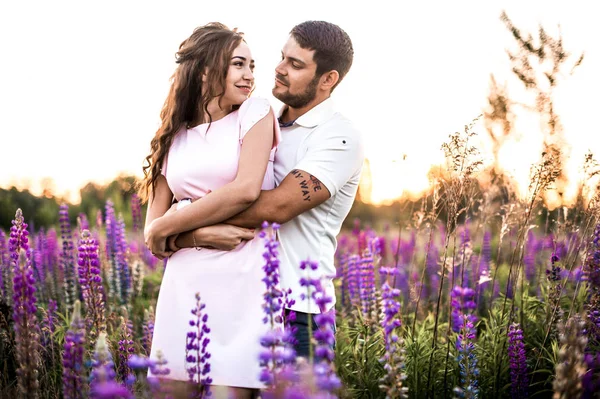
x=242, y=58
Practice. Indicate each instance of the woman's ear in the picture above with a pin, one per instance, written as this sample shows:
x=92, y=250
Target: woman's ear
x=204, y=74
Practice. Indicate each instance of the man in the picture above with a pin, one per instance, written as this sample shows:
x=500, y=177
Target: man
x=317, y=167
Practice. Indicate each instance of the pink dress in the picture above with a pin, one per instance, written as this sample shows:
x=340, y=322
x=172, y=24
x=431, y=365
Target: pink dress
x=229, y=282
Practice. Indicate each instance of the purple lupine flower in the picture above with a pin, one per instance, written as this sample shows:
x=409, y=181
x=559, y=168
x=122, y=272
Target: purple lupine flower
x=432, y=270
x=111, y=247
x=73, y=368
x=366, y=284
x=353, y=278
x=148, y=330
x=5, y=270
x=24, y=308
x=591, y=270
x=103, y=370
x=67, y=259
x=530, y=256
x=148, y=386
x=49, y=324
x=591, y=379
x=38, y=265
x=196, y=353
x=553, y=273
x=110, y=390
x=121, y=247
x=90, y=281
x=342, y=274
x=51, y=258
x=125, y=349
x=136, y=212
x=311, y=285
x=518, y=362
x=278, y=352
x=463, y=322
x=326, y=379
x=463, y=304
x=83, y=222
x=393, y=359
x=157, y=368
x=554, y=276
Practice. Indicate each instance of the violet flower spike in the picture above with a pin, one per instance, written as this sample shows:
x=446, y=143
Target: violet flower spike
x=92, y=290
x=126, y=350
x=326, y=378
x=463, y=322
x=74, y=386
x=26, y=325
x=196, y=352
x=148, y=329
x=518, y=362
x=393, y=359
x=67, y=257
x=5, y=270
x=103, y=372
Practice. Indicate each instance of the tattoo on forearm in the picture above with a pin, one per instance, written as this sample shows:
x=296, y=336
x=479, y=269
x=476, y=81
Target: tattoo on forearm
x=312, y=184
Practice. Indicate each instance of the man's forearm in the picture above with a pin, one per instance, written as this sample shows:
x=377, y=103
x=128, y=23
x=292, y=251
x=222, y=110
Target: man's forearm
x=265, y=208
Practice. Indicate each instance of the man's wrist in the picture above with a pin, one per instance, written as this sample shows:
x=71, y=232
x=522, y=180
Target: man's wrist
x=172, y=242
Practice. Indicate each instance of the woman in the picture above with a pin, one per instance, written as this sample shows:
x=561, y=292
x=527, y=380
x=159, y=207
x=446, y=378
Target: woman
x=217, y=144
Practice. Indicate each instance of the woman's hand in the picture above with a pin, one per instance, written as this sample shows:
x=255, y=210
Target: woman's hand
x=155, y=239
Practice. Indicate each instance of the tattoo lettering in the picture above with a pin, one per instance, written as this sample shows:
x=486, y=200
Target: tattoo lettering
x=307, y=186
x=316, y=183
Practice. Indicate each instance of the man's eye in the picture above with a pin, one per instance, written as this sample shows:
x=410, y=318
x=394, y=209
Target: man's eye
x=296, y=66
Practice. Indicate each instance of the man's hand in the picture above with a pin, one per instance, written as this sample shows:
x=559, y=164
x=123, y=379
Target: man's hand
x=171, y=245
x=219, y=236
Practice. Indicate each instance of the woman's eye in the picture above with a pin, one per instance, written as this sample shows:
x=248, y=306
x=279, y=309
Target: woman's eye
x=239, y=63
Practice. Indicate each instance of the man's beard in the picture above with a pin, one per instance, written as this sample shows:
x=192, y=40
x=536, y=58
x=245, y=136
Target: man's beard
x=299, y=100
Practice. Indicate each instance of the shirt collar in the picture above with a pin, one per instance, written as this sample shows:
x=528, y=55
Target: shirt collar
x=315, y=116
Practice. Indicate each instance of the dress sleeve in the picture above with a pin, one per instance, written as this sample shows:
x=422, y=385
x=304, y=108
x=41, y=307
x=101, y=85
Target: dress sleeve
x=253, y=110
x=163, y=169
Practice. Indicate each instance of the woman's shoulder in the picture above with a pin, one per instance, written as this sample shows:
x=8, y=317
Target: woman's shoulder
x=255, y=105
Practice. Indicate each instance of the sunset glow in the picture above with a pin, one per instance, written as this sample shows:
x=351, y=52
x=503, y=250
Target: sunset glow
x=90, y=112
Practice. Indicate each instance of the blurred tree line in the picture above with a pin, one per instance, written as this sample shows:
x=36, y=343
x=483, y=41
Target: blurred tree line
x=42, y=211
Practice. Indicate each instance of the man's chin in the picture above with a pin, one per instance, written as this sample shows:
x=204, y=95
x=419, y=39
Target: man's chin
x=278, y=94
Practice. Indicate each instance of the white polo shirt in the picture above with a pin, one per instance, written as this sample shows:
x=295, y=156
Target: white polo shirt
x=325, y=144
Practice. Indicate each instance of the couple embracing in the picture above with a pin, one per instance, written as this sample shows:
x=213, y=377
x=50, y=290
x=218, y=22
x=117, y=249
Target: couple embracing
x=299, y=168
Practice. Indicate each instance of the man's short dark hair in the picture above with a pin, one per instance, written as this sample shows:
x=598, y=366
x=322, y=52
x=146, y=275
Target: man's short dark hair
x=332, y=46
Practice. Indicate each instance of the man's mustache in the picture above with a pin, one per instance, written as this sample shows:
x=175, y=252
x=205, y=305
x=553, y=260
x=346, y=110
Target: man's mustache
x=282, y=79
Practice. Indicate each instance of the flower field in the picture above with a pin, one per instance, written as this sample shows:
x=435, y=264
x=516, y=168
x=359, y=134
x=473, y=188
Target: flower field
x=479, y=294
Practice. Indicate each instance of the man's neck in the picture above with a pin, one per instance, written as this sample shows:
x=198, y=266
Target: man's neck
x=291, y=114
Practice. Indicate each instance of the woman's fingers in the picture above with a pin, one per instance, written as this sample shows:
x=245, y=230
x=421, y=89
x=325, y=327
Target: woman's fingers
x=247, y=234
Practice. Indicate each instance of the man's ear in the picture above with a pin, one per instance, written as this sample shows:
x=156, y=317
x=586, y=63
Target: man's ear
x=329, y=79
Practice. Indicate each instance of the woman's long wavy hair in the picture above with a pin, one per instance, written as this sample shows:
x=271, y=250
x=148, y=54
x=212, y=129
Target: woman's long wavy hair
x=207, y=51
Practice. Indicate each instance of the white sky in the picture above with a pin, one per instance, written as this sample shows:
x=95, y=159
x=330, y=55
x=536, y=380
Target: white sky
x=82, y=83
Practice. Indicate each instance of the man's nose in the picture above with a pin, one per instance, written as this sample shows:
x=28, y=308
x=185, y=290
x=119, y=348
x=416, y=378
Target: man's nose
x=279, y=69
